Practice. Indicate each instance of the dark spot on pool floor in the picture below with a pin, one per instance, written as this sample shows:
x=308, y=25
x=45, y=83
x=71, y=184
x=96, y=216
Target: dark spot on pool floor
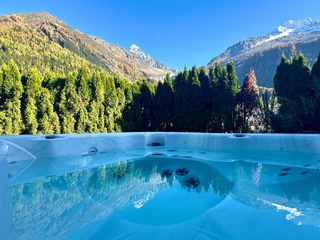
x=182, y=171
x=157, y=154
x=192, y=182
x=166, y=173
x=283, y=174
x=307, y=165
x=286, y=169
x=171, y=150
x=304, y=172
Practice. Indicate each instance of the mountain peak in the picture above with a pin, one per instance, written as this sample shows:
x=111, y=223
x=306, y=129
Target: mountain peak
x=298, y=26
x=134, y=48
x=136, y=51
x=301, y=23
x=141, y=54
x=292, y=37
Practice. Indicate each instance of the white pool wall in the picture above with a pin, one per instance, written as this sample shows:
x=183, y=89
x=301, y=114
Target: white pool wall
x=41, y=146
x=5, y=223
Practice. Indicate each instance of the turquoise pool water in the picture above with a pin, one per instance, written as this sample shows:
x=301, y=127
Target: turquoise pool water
x=167, y=192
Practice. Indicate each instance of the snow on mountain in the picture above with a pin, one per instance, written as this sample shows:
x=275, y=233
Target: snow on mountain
x=290, y=28
x=295, y=27
x=264, y=53
x=136, y=50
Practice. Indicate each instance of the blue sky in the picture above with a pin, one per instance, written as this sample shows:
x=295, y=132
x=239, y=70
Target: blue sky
x=177, y=33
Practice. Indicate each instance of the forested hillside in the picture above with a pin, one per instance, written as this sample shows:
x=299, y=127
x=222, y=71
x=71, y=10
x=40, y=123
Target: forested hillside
x=29, y=49
x=43, y=41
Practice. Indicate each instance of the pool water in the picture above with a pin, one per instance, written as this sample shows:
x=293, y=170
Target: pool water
x=168, y=193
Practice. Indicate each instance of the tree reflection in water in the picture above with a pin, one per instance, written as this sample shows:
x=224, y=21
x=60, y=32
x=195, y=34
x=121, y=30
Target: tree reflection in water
x=42, y=209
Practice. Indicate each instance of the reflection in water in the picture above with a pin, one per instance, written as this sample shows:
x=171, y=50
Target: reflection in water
x=41, y=209
x=139, y=180
x=158, y=190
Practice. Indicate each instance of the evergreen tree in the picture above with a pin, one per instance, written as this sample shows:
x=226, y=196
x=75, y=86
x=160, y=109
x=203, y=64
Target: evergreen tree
x=84, y=93
x=218, y=71
x=146, y=105
x=233, y=79
x=12, y=90
x=300, y=78
x=69, y=104
x=48, y=118
x=281, y=78
x=194, y=114
x=164, y=105
x=32, y=101
x=316, y=70
x=205, y=89
x=212, y=76
x=112, y=103
x=223, y=104
x=179, y=86
x=293, y=84
x=96, y=107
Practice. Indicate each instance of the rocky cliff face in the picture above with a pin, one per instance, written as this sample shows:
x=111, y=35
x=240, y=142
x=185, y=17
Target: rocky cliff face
x=264, y=53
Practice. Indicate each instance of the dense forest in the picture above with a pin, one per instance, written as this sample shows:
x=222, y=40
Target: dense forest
x=89, y=100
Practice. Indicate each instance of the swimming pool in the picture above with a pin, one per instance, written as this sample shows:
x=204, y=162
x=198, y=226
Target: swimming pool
x=163, y=186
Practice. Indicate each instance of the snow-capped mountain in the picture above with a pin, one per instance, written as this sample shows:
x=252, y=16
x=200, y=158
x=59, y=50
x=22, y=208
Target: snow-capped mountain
x=136, y=59
x=135, y=50
x=263, y=53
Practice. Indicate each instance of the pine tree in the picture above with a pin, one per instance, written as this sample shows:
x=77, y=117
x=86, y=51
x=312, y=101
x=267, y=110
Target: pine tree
x=32, y=101
x=69, y=104
x=206, y=94
x=164, y=105
x=112, y=104
x=96, y=106
x=48, y=118
x=84, y=92
x=12, y=90
x=315, y=88
x=293, y=86
x=146, y=105
x=300, y=78
x=179, y=85
x=281, y=78
x=222, y=97
x=194, y=114
x=233, y=79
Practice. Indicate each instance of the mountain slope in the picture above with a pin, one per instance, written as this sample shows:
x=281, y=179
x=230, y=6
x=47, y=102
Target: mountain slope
x=28, y=48
x=112, y=57
x=264, y=53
